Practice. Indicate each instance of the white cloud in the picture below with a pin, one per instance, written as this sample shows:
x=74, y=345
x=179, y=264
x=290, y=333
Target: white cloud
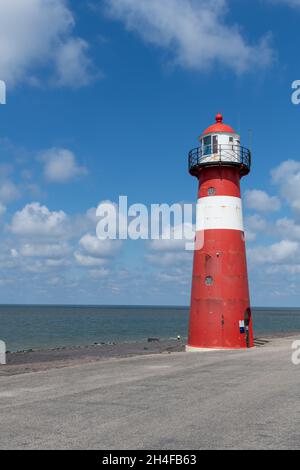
x=36, y=267
x=261, y=201
x=174, y=238
x=56, y=250
x=287, y=177
x=54, y=281
x=43, y=243
x=175, y=277
x=288, y=228
x=39, y=34
x=173, y=247
x=99, y=273
x=60, y=165
x=89, y=261
x=254, y=224
x=57, y=263
x=99, y=248
x=290, y=3
x=73, y=64
x=8, y=191
x=286, y=168
x=169, y=258
x=94, y=252
x=281, y=252
x=36, y=220
x=35, y=257
x=194, y=32
x=284, y=268
x=2, y=209
x=14, y=253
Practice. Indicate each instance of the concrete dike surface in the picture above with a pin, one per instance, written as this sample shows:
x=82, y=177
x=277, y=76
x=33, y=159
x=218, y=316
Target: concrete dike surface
x=207, y=400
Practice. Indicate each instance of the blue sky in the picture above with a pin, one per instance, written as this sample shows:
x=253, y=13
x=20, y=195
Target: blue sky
x=106, y=98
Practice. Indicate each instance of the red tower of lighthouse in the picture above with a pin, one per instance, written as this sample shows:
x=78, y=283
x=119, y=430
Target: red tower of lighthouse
x=220, y=316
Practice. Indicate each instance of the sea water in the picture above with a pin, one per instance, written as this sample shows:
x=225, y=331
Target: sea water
x=46, y=327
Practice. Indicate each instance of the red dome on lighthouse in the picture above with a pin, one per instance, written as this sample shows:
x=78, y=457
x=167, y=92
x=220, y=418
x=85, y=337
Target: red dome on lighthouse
x=219, y=126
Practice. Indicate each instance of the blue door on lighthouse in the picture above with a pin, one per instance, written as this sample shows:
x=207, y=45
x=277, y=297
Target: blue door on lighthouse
x=247, y=325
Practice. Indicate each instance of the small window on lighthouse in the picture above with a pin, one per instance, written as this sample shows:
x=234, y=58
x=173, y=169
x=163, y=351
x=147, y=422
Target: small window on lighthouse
x=209, y=281
x=211, y=191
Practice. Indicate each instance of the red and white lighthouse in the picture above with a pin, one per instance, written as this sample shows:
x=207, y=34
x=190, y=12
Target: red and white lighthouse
x=220, y=316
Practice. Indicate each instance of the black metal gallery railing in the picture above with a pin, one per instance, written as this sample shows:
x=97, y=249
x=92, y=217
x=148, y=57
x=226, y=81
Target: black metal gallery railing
x=220, y=155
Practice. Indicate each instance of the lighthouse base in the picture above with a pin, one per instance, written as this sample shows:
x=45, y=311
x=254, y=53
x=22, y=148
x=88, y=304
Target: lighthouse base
x=191, y=349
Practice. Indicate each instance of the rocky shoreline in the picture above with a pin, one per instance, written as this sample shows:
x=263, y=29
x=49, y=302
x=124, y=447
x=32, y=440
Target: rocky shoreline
x=29, y=361
x=38, y=360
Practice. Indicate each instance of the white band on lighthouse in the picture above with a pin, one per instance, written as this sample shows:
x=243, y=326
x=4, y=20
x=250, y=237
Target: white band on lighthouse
x=219, y=212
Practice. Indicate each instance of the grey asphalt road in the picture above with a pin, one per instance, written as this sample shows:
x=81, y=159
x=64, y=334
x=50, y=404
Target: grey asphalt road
x=210, y=400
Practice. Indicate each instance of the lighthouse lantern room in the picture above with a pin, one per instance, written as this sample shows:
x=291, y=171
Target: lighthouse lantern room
x=220, y=316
